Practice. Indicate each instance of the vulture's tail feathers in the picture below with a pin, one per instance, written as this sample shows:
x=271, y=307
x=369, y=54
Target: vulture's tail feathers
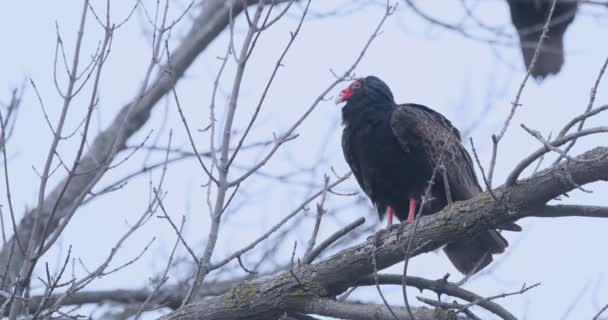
x=550, y=58
x=473, y=254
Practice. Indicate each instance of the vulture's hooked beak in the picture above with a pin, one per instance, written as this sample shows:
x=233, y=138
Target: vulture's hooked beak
x=343, y=96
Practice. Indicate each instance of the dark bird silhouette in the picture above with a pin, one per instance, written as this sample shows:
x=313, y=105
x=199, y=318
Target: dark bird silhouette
x=392, y=151
x=529, y=17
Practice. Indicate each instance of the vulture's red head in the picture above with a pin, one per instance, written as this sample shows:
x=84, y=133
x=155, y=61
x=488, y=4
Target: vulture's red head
x=369, y=89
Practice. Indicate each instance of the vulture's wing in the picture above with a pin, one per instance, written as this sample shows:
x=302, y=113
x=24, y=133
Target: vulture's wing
x=437, y=136
x=416, y=122
x=354, y=162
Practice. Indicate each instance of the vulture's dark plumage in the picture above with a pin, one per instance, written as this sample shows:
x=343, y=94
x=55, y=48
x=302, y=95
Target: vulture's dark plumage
x=529, y=17
x=392, y=150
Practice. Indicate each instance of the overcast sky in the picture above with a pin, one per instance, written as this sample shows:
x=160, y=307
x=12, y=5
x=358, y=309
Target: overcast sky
x=456, y=76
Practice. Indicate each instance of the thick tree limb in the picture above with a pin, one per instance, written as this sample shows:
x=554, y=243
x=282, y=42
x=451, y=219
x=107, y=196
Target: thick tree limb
x=267, y=298
x=357, y=311
x=167, y=297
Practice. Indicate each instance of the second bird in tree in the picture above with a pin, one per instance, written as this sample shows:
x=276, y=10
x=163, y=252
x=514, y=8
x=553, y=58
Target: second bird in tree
x=393, y=149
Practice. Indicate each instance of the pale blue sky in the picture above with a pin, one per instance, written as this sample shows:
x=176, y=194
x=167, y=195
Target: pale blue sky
x=421, y=63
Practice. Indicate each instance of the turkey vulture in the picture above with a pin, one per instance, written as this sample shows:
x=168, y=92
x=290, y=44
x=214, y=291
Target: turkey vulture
x=529, y=17
x=392, y=150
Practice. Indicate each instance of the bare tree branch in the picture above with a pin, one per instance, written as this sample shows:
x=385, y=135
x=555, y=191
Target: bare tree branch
x=205, y=27
x=312, y=255
x=589, y=108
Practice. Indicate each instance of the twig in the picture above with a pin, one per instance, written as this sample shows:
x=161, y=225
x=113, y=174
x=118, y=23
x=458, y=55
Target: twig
x=347, y=294
x=547, y=144
x=376, y=282
x=275, y=70
x=320, y=212
x=581, y=118
x=446, y=185
x=312, y=255
x=7, y=185
x=597, y=316
x=523, y=164
x=243, y=266
x=164, y=276
x=185, y=122
x=174, y=227
x=439, y=304
x=276, y=226
x=575, y=302
x=293, y=255
x=540, y=160
x=523, y=289
x=448, y=305
x=587, y=110
x=483, y=173
x=100, y=271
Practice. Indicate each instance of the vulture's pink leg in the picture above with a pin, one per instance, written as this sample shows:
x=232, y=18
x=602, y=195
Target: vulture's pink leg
x=389, y=217
x=410, y=215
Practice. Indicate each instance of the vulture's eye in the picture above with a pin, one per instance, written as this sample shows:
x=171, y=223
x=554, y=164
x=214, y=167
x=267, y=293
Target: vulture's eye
x=355, y=85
